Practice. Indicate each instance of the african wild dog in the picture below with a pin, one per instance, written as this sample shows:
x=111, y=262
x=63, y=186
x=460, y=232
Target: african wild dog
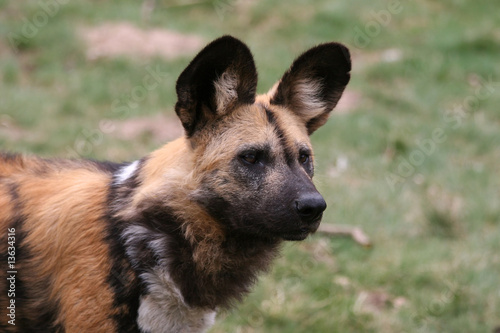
x=159, y=244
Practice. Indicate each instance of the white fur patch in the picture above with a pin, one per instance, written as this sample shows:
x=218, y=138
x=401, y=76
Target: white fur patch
x=156, y=241
x=126, y=172
x=307, y=94
x=225, y=91
x=163, y=310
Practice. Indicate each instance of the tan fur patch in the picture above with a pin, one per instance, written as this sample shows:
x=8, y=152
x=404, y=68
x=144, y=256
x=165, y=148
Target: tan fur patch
x=64, y=234
x=68, y=240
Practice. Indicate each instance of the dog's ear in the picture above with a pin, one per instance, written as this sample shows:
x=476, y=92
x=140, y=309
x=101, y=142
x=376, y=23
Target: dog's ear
x=221, y=77
x=314, y=83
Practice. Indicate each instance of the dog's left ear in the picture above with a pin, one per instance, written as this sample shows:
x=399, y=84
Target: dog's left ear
x=314, y=83
x=221, y=77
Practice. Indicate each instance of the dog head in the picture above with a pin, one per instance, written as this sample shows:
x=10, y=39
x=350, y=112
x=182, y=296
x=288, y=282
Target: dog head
x=254, y=160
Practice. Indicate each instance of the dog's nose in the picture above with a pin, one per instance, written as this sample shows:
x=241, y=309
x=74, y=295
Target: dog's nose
x=310, y=206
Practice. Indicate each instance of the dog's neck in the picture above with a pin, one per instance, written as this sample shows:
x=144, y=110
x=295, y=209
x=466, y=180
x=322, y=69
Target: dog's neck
x=211, y=267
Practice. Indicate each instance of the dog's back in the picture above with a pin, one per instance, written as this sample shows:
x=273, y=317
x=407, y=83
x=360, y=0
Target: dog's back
x=54, y=214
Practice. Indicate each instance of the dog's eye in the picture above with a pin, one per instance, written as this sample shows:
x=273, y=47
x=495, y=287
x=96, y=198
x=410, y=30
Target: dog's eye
x=304, y=158
x=250, y=158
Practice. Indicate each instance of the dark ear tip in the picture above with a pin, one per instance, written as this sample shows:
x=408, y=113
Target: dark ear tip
x=347, y=55
x=228, y=38
x=332, y=57
x=228, y=42
x=339, y=52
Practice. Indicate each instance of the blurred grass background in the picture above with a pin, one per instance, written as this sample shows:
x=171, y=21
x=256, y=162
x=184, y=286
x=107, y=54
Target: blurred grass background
x=414, y=160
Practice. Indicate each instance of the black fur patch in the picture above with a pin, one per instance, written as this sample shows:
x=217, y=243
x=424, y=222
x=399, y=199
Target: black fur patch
x=289, y=152
x=29, y=318
x=14, y=195
x=106, y=166
x=248, y=256
x=123, y=278
x=8, y=157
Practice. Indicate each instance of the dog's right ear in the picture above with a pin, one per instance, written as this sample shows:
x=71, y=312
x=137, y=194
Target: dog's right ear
x=221, y=77
x=314, y=83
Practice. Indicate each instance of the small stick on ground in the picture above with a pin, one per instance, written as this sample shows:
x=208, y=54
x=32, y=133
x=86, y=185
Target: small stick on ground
x=356, y=233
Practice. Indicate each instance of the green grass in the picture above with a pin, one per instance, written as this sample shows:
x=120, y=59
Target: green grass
x=435, y=224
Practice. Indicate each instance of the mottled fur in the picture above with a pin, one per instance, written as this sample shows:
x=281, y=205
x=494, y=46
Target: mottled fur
x=162, y=243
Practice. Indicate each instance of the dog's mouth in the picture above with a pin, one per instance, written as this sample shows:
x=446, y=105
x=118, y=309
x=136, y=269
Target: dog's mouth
x=295, y=236
x=302, y=233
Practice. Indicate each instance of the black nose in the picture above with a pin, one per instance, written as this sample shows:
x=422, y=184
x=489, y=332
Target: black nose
x=310, y=206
